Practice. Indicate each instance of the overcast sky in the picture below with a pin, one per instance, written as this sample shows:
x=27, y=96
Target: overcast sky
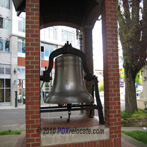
x=97, y=46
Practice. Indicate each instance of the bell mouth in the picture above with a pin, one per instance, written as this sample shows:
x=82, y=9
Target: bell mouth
x=69, y=98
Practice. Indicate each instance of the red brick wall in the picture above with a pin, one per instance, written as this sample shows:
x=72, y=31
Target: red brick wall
x=103, y=143
x=111, y=75
x=32, y=73
x=111, y=68
x=45, y=63
x=21, y=61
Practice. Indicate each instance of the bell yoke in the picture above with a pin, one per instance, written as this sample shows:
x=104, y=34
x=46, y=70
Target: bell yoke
x=68, y=89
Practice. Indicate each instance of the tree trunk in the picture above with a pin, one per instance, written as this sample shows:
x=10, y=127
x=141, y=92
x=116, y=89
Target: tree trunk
x=130, y=92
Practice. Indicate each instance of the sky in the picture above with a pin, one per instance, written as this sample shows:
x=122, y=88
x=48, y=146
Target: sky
x=97, y=46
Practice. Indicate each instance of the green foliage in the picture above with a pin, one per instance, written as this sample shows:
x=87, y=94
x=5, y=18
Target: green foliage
x=122, y=75
x=138, y=135
x=125, y=114
x=139, y=113
x=46, y=84
x=11, y=132
x=101, y=87
x=138, y=78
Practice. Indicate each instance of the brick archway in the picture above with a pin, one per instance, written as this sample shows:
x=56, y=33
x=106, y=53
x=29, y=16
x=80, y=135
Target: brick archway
x=110, y=50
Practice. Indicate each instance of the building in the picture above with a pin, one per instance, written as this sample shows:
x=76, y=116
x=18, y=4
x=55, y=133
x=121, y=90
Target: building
x=12, y=51
x=142, y=100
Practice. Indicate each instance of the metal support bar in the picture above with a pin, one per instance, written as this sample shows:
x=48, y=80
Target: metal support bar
x=99, y=104
x=64, y=108
x=72, y=105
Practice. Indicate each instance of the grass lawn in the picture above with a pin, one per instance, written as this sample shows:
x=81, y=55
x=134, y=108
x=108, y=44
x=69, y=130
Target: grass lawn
x=138, y=135
x=11, y=132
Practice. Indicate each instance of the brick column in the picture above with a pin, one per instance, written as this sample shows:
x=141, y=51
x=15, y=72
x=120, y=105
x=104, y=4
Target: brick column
x=111, y=71
x=32, y=73
x=88, y=50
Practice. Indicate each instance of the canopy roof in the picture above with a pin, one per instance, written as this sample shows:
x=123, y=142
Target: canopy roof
x=75, y=13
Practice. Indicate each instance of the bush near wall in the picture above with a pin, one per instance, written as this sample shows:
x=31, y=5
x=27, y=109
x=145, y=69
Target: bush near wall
x=138, y=119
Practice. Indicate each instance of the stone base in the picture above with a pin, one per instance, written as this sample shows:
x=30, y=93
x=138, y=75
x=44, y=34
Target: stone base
x=79, y=129
x=134, y=122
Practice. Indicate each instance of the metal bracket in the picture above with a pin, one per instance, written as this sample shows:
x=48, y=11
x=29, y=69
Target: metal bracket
x=66, y=49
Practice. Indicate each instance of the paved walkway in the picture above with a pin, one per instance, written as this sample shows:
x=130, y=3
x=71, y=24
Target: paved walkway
x=20, y=106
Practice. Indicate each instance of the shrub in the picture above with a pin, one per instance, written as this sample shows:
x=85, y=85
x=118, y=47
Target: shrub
x=101, y=87
x=11, y=132
x=139, y=113
x=125, y=114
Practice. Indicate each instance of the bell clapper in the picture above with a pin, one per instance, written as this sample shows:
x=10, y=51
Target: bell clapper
x=69, y=113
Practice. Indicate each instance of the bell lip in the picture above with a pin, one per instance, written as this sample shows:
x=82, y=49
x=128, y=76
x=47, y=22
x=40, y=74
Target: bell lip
x=68, y=98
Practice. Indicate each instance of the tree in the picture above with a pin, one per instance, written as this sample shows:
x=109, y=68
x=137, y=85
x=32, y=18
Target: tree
x=132, y=22
x=138, y=79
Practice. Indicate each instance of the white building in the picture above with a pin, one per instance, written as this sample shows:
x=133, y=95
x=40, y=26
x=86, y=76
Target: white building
x=12, y=51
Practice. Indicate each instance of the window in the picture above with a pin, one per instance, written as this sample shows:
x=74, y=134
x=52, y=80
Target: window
x=21, y=47
x=1, y=45
x=5, y=70
x=7, y=45
x=21, y=90
x=5, y=90
x=1, y=22
x=5, y=23
x=4, y=45
x=1, y=70
x=8, y=71
x=21, y=72
x=52, y=33
x=68, y=36
x=5, y=3
x=42, y=52
x=46, y=50
x=21, y=24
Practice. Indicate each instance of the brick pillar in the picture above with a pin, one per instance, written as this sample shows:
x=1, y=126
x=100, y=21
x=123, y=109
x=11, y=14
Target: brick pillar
x=88, y=50
x=111, y=71
x=32, y=73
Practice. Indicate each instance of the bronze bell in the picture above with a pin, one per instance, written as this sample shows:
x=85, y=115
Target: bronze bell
x=68, y=86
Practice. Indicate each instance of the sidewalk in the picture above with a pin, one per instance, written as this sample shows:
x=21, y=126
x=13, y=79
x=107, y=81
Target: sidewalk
x=20, y=106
